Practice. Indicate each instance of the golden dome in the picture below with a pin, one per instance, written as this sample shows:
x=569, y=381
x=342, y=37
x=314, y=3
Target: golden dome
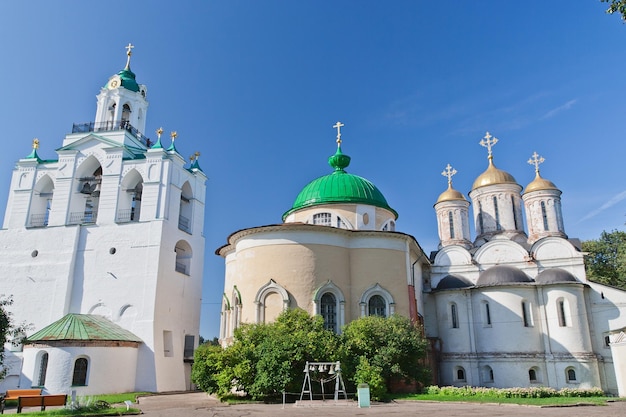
x=493, y=176
x=539, y=183
x=450, y=195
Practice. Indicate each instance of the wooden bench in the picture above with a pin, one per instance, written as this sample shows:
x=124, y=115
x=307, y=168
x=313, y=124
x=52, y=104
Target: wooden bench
x=42, y=401
x=14, y=394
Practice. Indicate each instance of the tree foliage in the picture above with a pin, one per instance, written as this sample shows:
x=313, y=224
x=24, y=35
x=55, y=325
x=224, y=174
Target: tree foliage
x=8, y=331
x=379, y=351
x=616, y=6
x=605, y=259
x=266, y=359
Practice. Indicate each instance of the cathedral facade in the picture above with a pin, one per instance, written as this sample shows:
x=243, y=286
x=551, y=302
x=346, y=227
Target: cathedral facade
x=102, y=253
x=505, y=308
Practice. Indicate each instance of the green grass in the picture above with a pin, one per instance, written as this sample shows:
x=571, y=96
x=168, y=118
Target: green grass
x=555, y=401
x=119, y=398
x=61, y=412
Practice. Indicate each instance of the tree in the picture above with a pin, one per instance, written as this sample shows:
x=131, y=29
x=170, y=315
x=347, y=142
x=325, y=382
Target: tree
x=265, y=359
x=379, y=351
x=8, y=332
x=618, y=6
x=605, y=259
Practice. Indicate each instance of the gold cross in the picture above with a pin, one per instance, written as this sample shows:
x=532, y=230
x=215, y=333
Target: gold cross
x=449, y=172
x=536, y=160
x=129, y=48
x=35, y=143
x=159, y=131
x=173, y=135
x=338, y=126
x=488, y=141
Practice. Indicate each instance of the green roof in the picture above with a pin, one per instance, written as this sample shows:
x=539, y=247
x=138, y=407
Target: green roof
x=339, y=188
x=83, y=327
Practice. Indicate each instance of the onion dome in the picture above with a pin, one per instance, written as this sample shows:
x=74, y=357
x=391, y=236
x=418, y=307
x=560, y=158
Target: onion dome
x=539, y=183
x=492, y=175
x=339, y=187
x=555, y=275
x=502, y=275
x=450, y=194
x=450, y=282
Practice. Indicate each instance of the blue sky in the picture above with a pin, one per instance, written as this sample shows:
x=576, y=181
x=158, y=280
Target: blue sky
x=256, y=86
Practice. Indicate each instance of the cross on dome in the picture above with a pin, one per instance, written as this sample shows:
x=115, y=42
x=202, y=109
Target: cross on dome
x=488, y=141
x=449, y=172
x=35, y=143
x=536, y=160
x=338, y=126
x=129, y=52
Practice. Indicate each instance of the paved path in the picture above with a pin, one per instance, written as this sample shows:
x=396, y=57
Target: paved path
x=199, y=404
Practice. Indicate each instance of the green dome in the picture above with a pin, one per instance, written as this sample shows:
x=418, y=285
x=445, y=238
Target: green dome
x=128, y=80
x=339, y=188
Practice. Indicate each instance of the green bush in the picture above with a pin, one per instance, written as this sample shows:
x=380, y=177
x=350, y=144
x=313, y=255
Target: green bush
x=531, y=392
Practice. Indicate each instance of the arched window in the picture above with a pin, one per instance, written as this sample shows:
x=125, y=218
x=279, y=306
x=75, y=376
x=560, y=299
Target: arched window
x=43, y=369
x=454, y=316
x=496, y=212
x=514, y=213
x=41, y=202
x=186, y=209
x=390, y=226
x=328, y=310
x=183, y=257
x=544, y=216
x=532, y=375
x=329, y=303
x=487, y=374
x=459, y=373
x=570, y=374
x=481, y=224
x=129, y=198
x=79, y=377
x=377, y=301
x=377, y=306
x=451, y=222
x=125, y=115
x=84, y=208
x=270, y=301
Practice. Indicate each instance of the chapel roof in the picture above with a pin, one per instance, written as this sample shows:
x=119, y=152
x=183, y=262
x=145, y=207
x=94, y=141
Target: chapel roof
x=502, y=275
x=555, y=275
x=86, y=327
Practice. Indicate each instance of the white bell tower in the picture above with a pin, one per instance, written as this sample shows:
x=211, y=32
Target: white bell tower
x=122, y=102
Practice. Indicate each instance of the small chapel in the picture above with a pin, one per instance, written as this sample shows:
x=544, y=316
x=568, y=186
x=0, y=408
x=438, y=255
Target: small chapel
x=102, y=253
x=508, y=307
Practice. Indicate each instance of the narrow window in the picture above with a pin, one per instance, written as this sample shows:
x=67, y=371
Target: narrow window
x=561, y=312
x=496, y=212
x=514, y=213
x=460, y=374
x=487, y=314
x=341, y=224
x=607, y=341
x=377, y=306
x=544, y=215
x=451, y=222
x=168, y=343
x=525, y=314
x=125, y=115
x=43, y=369
x=80, y=372
x=454, y=316
x=190, y=340
x=480, y=218
x=328, y=310
x=532, y=375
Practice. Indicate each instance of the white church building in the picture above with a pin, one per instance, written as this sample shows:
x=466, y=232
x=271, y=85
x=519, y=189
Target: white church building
x=102, y=253
x=508, y=307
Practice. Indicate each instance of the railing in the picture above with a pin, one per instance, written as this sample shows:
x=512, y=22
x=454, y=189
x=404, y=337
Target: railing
x=183, y=224
x=126, y=215
x=110, y=126
x=39, y=220
x=81, y=217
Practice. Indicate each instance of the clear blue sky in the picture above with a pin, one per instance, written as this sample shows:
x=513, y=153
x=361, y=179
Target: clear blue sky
x=255, y=86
